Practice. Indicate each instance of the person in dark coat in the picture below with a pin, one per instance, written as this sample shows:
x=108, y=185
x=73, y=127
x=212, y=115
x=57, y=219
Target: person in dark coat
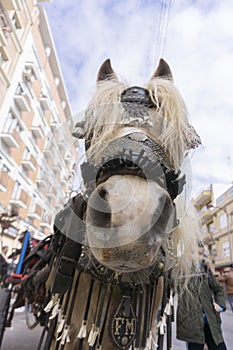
x=198, y=311
x=3, y=263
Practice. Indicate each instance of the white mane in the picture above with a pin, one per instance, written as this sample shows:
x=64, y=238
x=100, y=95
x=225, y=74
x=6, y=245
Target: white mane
x=168, y=124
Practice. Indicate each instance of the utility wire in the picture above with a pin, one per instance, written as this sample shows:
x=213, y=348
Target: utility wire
x=165, y=8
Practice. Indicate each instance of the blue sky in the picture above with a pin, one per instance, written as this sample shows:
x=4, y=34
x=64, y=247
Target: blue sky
x=198, y=48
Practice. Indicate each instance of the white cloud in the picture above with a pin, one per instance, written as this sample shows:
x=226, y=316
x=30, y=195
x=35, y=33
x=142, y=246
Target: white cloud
x=198, y=47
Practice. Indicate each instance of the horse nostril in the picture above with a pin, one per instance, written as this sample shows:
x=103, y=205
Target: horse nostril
x=102, y=193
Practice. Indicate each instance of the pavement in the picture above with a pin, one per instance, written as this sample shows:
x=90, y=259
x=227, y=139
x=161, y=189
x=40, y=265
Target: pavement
x=21, y=338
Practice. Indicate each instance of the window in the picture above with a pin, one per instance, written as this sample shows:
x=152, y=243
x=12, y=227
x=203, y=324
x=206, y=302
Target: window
x=223, y=221
x=16, y=21
x=19, y=90
x=27, y=153
x=211, y=228
x=226, y=249
x=230, y=192
x=10, y=122
x=16, y=190
x=220, y=200
x=3, y=55
x=32, y=204
x=214, y=250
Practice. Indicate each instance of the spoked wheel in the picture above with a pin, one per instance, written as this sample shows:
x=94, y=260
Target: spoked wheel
x=31, y=314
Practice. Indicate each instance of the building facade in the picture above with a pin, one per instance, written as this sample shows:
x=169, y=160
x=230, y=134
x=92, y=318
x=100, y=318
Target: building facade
x=37, y=151
x=215, y=207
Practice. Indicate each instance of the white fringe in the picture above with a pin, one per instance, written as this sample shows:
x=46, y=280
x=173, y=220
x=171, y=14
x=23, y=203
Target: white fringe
x=50, y=305
x=55, y=311
x=61, y=325
x=149, y=342
x=94, y=337
x=83, y=330
x=162, y=324
x=65, y=336
x=91, y=334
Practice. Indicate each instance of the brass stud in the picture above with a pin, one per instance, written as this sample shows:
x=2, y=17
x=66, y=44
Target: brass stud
x=124, y=340
x=160, y=266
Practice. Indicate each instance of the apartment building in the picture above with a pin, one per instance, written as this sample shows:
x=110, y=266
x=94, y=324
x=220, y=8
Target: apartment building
x=215, y=207
x=37, y=151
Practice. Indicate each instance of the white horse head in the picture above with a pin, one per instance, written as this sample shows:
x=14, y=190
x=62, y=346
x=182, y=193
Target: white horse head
x=137, y=139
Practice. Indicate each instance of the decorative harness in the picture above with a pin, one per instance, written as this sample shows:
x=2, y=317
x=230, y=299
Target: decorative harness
x=135, y=154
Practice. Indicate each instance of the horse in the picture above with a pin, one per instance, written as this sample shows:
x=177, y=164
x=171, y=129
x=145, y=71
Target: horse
x=123, y=244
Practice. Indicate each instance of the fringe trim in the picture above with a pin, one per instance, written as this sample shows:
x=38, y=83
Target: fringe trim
x=83, y=330
x=61, y=325
x=94, y=336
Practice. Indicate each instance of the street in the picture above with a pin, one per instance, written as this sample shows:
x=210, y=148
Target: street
x=20, y=337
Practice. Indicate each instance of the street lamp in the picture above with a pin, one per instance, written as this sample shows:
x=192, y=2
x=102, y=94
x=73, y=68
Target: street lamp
x=228, y=225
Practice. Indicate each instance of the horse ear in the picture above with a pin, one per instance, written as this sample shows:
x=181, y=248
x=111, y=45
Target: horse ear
x=106, y=72
x=163, y=71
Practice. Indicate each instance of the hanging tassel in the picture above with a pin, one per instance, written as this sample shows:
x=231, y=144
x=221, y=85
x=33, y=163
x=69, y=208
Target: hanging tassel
x=153, y=343
x=94, y=337
x=171, y=299
x=149, y=342
x=61, y=325
x=162, y=326
x=60, y=315
x=61, y=336
x=168, y=307
x=65, y=336
x=50, y=304
x=167, y=310
x=91, y=333
x=83, y=330
x=55, y=311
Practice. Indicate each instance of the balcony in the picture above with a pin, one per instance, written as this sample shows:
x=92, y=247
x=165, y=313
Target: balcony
x=35, y=213
x=203, y=198
x=22, y=103
x=3, y=38
x=29, y=163
x=42, y=183
x=20, y=200
x=11, y=139
x=37, y=131
x=52, y=193
x=11, y=231
x=206, y=215
x=48, y=153
x=56, y=169
x=46, y=225
x=53, y=126
x=62, y=145
x=44, y=101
